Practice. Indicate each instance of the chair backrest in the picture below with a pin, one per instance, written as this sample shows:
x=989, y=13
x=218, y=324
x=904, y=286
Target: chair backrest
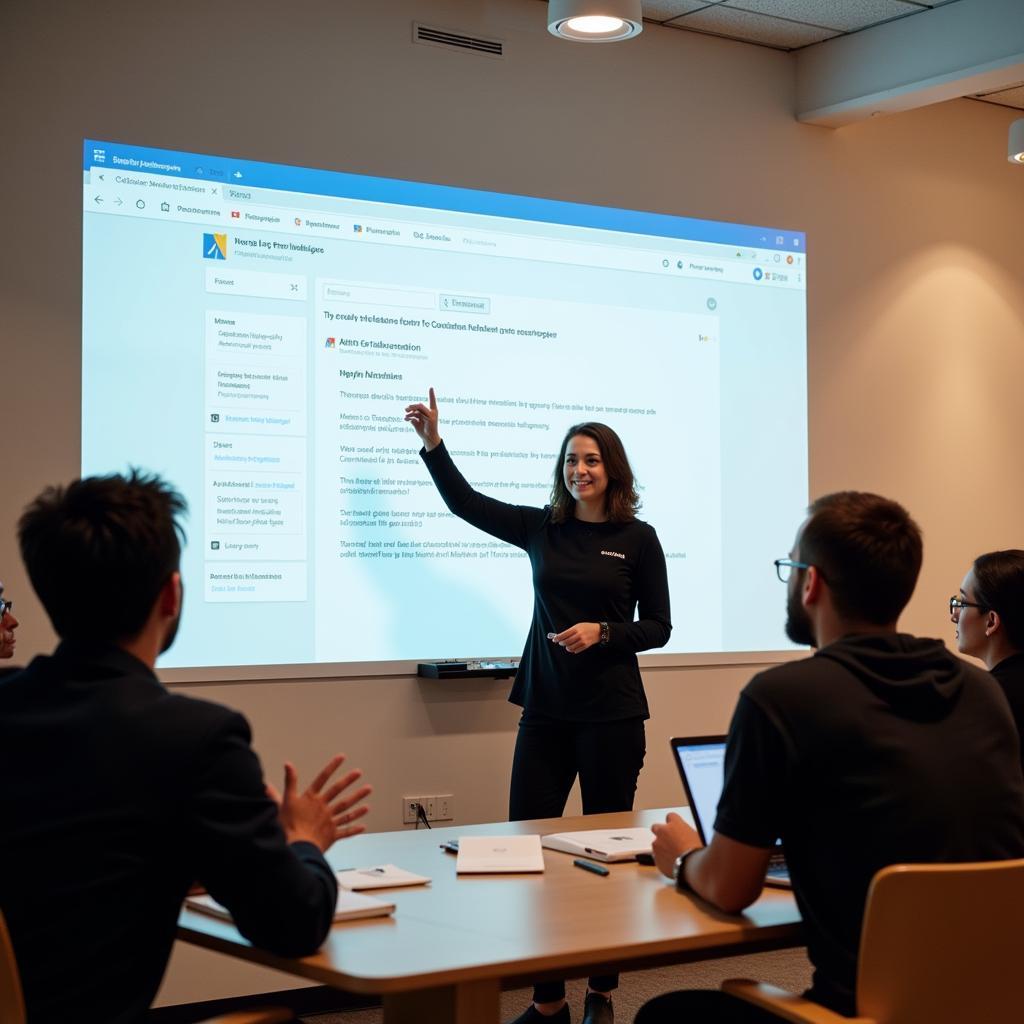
x=12, y=1002
x=941, y=943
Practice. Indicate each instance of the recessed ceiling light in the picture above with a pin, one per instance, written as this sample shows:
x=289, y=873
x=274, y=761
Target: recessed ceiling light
x=595, y=21
x=1015, y=152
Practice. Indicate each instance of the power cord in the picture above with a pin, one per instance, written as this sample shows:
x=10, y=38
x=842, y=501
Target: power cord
x=421, y=815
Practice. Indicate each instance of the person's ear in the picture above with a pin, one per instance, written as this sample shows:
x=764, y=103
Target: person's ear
x=992, y=623
x=170, y=596
x=813, y=583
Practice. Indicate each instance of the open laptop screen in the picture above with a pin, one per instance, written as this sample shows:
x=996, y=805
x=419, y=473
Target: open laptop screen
x=701, y=763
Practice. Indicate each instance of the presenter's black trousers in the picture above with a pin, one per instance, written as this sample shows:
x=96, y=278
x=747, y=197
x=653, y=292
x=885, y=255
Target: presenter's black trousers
x=550, y=753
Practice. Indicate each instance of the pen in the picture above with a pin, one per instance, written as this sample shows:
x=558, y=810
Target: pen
x=589, y=865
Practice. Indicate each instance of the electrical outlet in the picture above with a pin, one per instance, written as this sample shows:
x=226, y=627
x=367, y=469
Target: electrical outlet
x=436, y=808
x=409, y=805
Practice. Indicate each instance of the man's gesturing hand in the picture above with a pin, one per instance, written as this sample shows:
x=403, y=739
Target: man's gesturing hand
x=319, y=815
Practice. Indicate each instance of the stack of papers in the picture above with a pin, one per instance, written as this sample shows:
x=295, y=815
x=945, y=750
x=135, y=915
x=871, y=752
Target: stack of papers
x=609, y=844
x=484, y=855
x=380, y=876
x=350, y=906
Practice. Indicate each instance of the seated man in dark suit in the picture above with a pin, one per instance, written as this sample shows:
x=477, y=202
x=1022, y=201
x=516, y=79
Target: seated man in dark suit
x=117, y=795
x=880, y=749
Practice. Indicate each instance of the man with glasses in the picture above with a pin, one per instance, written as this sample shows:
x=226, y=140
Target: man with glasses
x=880, y=749
x=117, y=794
x=8, y=624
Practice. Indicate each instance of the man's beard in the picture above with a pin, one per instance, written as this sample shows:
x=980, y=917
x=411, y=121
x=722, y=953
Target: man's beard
x=799, y=628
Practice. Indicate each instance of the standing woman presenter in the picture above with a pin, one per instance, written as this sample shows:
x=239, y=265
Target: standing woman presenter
x=594, y=566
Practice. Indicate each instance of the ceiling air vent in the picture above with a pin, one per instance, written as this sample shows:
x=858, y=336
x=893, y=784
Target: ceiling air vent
x=456, y=40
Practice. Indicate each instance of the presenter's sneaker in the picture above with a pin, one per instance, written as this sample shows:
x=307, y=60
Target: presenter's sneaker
x=597, y=1009
x=531, y=1015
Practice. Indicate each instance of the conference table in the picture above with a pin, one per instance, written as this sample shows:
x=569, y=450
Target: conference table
x=452, y=945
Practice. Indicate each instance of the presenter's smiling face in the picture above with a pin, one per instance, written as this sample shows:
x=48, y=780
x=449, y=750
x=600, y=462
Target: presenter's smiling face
x=585, y=476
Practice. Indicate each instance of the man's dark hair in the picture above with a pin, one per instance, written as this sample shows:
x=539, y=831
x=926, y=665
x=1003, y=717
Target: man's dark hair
x=999, y=586
x=99, y=550
x=868, y=550
x=621, y=500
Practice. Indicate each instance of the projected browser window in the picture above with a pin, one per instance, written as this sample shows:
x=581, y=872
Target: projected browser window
x=253, y=333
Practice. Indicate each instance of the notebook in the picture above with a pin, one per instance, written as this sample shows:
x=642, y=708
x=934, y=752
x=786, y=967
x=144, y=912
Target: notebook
x=350, y=906
x=499, y=855
x=606, y=844
x=701, y=764
x=379, y=876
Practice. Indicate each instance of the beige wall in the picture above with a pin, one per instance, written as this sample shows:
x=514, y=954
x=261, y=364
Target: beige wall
x=916, y=302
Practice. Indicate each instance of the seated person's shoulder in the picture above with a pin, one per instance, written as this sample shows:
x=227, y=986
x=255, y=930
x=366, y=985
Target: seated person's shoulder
x=790, y=677
x=185, y=722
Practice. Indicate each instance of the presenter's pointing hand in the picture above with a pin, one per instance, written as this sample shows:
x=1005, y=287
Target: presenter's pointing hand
x=322, y=813
x=578, y=638
x=424, y=421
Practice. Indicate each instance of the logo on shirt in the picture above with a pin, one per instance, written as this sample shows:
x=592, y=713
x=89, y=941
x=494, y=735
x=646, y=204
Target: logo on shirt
x=614, y=554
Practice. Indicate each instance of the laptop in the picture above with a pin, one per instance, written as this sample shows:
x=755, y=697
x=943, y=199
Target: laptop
x=701, y=764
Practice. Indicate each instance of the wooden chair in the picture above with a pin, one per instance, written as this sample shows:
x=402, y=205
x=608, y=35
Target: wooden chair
x=12, y=1001
x=941, y=945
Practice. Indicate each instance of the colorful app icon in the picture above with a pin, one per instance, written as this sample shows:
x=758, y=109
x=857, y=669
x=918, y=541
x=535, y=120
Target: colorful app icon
x=329, y=343
x=215, y=246
x=236, y=214
x=758, y=273
x=357, y=228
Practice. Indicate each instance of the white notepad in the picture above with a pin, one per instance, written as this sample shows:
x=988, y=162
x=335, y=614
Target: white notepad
x=607, y=844
x=499, y=855
x=379, y=876
x=350, y=906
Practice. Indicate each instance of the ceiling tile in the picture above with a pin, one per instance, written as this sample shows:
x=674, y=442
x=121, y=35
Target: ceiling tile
x=847, y=16
x=662, y=10
x=754, y=28
x=1013, y=97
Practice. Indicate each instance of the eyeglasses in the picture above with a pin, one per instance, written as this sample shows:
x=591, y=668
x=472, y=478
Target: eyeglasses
x=5, y=607
x=784, y=568
x=957, y=604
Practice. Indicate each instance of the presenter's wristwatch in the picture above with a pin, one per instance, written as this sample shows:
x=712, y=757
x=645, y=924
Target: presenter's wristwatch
x=679, y=870
x=605, y=634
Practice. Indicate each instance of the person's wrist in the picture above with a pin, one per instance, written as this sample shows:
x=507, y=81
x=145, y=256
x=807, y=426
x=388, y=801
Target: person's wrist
x=430, y=443
x=679, y=870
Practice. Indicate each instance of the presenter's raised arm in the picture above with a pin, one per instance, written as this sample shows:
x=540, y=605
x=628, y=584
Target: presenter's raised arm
x=424, y=421
x=510, y=523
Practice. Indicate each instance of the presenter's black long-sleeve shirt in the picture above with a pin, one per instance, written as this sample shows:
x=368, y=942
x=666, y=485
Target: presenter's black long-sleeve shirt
x=582, y=572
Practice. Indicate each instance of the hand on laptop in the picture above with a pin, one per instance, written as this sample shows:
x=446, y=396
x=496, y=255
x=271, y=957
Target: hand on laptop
x=670, y=840
x=321, y=815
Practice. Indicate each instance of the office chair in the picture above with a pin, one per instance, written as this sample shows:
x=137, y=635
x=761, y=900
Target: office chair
x=941, y=944
x=12, y=1002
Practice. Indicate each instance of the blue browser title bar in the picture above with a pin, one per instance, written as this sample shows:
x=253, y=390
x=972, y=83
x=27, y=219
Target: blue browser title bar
x=198, y=166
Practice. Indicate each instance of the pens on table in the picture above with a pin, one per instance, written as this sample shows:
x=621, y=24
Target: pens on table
x=589, y=865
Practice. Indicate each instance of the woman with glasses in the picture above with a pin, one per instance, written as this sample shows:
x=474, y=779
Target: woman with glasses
x=594, y=564
x=989, y=617
x=8, y=624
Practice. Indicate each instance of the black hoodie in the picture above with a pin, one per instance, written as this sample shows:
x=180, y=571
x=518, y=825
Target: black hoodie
x=878, y=750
